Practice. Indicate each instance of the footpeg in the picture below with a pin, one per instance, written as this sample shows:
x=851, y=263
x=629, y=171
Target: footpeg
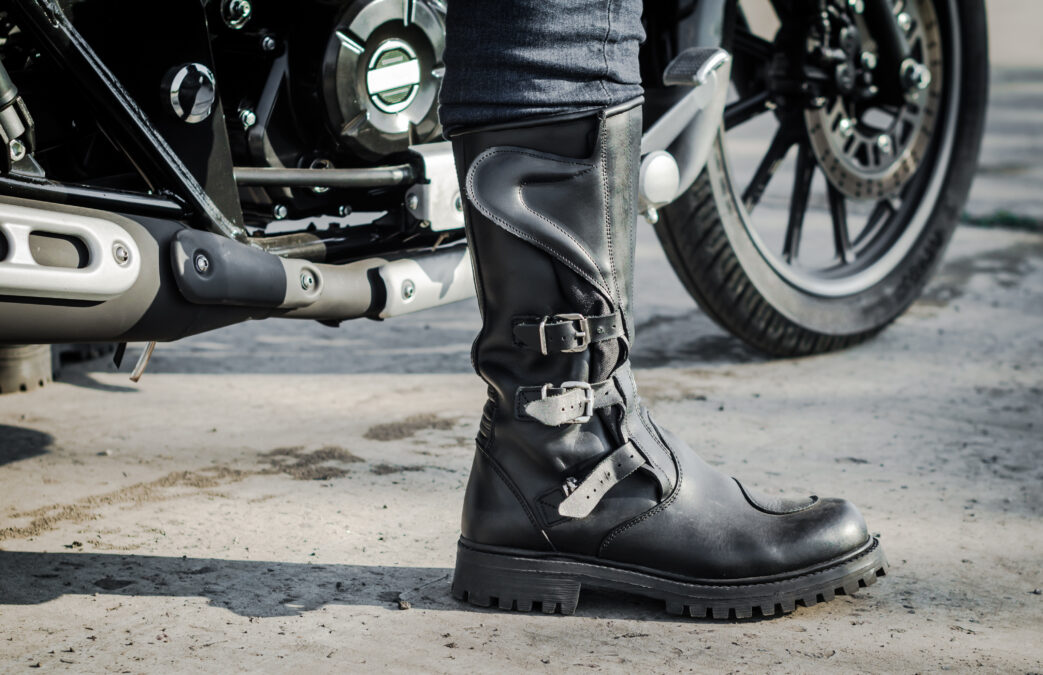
x=675, y=148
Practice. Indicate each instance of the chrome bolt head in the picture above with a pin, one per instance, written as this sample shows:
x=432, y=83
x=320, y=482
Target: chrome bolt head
x=121, y=253
x=343, y=210
x=408, y=289
x=236, y=13
x=412, y=201
x=857, y=6
x=869, y=60
x=652, y=215
x=905, y=22
x=845, y=128
x=16, y=149
x=202, y=263
x=268, y=43
x=883, y=142
x=247, y=117
x=307, y=280
x=458, y=203
x=915, y=75
x=279, y=211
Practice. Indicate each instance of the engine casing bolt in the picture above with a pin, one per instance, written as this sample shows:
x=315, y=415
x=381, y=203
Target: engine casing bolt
x=247, y=117
x=343, y=210
x=307, y=280
x=202, y=263
x=412, y=201
x=16, y=149
x=279, y=211
x=121, y=253
x=408, y=289
x=869, y=60
x=268, y=43
x=236, y=13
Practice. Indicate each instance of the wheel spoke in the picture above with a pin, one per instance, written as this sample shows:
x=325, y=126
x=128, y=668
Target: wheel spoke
x=841, y=237
x=798, y=206
x=745, y=109
x=780, y=144
x=881, y=212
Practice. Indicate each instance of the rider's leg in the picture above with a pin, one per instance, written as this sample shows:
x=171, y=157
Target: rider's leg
x=506, y=61
x=573, y=482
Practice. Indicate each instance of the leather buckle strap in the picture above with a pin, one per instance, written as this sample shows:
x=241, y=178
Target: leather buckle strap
x=566, y=403
x=582, y=497
x=566, y=333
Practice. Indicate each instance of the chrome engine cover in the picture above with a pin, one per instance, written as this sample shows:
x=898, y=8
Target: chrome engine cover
x=381, y=73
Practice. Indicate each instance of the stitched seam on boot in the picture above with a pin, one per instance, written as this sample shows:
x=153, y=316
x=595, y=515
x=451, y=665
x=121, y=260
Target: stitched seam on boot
x=484, y=209
x=517, y=494
x=655, y=436
x=608, y=213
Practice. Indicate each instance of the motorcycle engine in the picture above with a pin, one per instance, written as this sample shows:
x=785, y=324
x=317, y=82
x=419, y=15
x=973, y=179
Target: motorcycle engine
x=381, y=71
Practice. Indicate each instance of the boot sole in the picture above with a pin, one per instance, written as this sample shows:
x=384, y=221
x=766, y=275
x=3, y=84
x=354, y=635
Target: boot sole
x=509, y=579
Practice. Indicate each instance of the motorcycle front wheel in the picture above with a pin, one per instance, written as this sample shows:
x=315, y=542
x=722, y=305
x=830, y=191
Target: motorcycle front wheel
x=816, y=223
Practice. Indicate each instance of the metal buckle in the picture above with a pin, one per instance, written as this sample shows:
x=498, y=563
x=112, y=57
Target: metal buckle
x=582, y=335
x=588, y=398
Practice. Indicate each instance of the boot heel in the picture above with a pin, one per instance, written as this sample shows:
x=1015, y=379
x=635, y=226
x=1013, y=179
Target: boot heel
x=510, y=582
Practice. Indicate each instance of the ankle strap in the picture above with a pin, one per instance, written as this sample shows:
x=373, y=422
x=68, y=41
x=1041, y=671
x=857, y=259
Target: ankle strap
x=566, y=333
x=565, y=403
x=582, y=497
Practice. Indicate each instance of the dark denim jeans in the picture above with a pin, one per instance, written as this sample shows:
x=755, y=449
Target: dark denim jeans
x=511, y=59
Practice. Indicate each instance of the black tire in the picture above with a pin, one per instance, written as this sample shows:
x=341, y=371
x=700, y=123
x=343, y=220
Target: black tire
x=717, y=260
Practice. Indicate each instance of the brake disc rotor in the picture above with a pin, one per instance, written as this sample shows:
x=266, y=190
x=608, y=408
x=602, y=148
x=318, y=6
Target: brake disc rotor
x=871, y=153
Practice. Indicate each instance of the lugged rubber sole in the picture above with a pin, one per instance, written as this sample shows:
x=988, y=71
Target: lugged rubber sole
x=487, y=576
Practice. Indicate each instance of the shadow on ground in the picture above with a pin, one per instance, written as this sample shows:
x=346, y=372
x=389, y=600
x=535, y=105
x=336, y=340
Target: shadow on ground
x=18, y=443
x=270, y=589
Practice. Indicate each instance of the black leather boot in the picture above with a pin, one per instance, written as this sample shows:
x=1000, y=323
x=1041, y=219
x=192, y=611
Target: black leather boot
x=573, y=483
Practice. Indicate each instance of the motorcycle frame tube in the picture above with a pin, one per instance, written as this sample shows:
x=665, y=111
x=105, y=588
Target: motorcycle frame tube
x=151, y=152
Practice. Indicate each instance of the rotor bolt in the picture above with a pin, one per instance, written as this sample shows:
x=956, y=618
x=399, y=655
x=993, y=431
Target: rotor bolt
x=279, y=211
x=915, y=75
x=247, y=117
x=845, y=128
x=858, y=6
x=412, y=201
x=121, y=253
x=883, y=142
x=268, y=43
x=905, y=22
x=307, y=280
x=202, y=263
x=16, y=149
x=869, y=60
x=408, y=289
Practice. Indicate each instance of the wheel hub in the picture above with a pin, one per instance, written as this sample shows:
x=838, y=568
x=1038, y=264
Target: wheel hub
x=869, y=150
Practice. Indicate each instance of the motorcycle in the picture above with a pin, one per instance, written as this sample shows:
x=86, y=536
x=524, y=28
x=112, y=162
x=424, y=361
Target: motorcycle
x=173, y=167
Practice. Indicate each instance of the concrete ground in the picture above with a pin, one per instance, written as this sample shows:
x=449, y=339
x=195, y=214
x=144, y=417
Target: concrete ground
x=283, y=496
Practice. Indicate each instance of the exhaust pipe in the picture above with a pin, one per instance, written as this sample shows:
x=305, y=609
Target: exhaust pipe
x=62, y=279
